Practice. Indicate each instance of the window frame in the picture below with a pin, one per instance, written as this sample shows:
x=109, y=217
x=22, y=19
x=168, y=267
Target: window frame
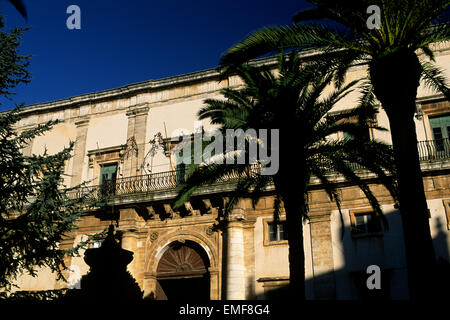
x=108, y=164
x=266, y=223
x=107, y=189
x=363, y=212
x=432, y=108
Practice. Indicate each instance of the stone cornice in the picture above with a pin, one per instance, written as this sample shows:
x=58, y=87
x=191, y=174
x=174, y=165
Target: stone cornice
x=112, y=94
x=144, y=86
x=160, y=84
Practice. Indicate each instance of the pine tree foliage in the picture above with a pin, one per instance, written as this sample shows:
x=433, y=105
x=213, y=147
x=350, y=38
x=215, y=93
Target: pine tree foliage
x=36, y=211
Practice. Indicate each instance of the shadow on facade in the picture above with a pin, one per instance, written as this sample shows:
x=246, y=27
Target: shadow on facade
x=348, y=281
x=385, y=249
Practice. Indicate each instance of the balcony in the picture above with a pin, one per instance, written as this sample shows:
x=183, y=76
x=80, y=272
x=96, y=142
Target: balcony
x=434, y=149
x=430, y=151
x=161, y=181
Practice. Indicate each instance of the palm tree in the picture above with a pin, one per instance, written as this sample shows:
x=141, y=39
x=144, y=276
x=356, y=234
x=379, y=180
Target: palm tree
x=394, y=54
x=291, y=103
x=20, y=6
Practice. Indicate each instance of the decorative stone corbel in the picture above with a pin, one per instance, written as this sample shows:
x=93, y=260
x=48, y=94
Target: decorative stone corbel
x=170, y=212
x=209, y=208
x=190, y=210
x=151, y=212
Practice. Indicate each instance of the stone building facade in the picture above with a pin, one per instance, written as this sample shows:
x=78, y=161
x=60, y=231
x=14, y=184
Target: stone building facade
x=124, y=135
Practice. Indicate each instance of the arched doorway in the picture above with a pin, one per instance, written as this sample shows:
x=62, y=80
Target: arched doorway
x=182, y=272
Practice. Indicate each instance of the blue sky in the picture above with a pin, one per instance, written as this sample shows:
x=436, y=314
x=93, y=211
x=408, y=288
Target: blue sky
x=123, y=42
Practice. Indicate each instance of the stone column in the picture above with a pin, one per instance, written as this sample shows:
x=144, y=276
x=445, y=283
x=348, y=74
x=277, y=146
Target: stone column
x=322, y=256
x=137, y=129
x=79, y=151
x=235, y=262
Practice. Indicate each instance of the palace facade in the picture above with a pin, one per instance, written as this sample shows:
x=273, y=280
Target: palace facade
x=124, y=140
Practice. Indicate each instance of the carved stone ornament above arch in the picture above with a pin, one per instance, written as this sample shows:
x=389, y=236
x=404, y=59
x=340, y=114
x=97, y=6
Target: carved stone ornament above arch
x=163, y=243
x=183, y=259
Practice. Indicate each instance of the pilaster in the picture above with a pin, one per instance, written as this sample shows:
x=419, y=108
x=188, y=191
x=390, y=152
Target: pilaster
x=136, y=133
x=322, y=256
x=82, y=126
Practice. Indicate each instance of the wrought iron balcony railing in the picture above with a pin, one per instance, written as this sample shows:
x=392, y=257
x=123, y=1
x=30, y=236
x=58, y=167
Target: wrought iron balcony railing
x=148, y=183
x=429, y=150
x=434, y=149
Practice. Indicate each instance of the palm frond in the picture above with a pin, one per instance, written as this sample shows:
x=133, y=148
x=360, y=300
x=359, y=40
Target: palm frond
x=432, y=34
x=250, y=186
x=433, y=77
x=428, y=52
x=331, y=189
x=223, y=112
x=343, y=167
x=20, y=6
x=274, y=39
x=203, y=175
x=277, y=207
x=378, y=158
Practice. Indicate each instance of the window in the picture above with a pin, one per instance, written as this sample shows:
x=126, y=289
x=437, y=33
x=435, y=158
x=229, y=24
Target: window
x=108, y=172
x=108, y=175
x=365, y=223
x=440, y=128
x=275, y=232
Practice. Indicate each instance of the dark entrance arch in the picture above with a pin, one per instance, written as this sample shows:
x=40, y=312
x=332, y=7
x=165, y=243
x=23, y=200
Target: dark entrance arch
x=182, y=273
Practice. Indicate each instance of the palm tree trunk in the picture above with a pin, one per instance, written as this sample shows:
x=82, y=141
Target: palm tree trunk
x=413, y=206
x=395, y=78
x=292, y=187
x=293, y=207
x=291, y=183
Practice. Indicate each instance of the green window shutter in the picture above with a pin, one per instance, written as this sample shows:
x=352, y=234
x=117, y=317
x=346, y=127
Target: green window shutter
x=108, y=172
x=440, y=126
